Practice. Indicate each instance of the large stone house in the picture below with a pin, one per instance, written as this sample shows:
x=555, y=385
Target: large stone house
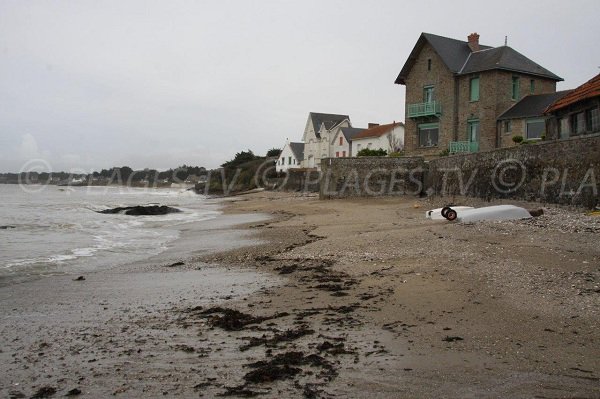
x=318, y=135
x=577, y=113
x=456, y=90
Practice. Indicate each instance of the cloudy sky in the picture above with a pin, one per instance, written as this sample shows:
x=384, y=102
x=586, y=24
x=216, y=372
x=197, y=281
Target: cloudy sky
x=93, y=84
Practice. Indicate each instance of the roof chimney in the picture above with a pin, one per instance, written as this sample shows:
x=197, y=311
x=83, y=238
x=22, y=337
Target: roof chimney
x=473, y=41
x=371, y=125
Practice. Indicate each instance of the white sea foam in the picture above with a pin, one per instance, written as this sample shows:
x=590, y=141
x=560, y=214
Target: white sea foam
x=61, y=230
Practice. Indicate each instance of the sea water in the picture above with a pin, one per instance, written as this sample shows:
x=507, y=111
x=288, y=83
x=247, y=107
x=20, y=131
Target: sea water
x=55, y=230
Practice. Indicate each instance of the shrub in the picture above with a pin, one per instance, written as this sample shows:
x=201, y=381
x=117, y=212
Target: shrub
x=273, y=152
x=367, y=152
x=240, y=158
x=517, y=139
x=444, y=153
x=396, y=154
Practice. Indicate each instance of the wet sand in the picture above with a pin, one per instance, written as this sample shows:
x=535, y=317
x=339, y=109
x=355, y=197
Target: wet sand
x=365, y=298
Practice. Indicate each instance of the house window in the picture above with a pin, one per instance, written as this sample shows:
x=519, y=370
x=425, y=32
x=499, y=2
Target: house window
x=369, y=145
x=515, y=88
x=337, y=154
x=473, y=131
x=593, y=119
x=474, y=89
x=563, y=126
x=532, y=86
x=429, y=64
x=507, y=126
x=289, y=160
x=341, y=140
x=535, y=128
x=578, y=123
x=358, y=147
x=428, y=134
x=283, y=161
x=344, y=154
x=428, y=94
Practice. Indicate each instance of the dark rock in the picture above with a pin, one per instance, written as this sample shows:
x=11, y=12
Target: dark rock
x=44, y=392
x=7, y=227
x=74, y=392
x=141, y=210
x=80, y=278
x=176, y=264
x=449, y=338
x=536, y=212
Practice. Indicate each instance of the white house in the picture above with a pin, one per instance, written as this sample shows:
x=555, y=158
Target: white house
x=291, y=157
x=341, y=144
x=318, y=134
x=389, y=137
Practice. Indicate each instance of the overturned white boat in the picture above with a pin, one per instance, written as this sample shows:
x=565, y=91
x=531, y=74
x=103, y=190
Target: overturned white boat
x=468, y=214
x=497, y=212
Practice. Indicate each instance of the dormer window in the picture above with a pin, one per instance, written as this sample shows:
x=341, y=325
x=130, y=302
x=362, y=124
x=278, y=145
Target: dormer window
x=429, y=64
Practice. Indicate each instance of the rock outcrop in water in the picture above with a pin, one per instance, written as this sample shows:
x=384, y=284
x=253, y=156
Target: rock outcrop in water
x=141, y=210
x=7, y=227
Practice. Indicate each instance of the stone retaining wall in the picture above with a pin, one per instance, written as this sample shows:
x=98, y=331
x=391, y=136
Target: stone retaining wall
x=560, y=172
x=371, y=176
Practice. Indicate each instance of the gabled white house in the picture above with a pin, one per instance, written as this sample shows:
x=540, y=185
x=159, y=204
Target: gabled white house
x=341, y=144
x=318, y=133
x=389, y=137
x=291, y=157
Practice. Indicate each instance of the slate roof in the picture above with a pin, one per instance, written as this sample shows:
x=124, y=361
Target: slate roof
x=297, y=150
x=533, y=105
x=330, y=120
x=350, y=132
x=377, y=131
x=589, y=89
x=504, y=58
x=458, y=57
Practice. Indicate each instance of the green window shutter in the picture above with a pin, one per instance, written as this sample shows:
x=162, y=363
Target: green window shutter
x=515, y=88
x=474, y=89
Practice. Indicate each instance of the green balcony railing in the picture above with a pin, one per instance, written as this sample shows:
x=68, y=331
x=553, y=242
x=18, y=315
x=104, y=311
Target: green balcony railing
x=461, y=147
x=432, y=108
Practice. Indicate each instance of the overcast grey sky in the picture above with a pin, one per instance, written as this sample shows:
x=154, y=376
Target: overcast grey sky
x=96, y=84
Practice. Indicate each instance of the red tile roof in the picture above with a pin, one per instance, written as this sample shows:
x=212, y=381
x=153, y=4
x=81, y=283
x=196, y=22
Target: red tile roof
x=377, y=131
x=589, y=89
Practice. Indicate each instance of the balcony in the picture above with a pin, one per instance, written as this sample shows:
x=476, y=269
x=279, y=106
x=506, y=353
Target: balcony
x=432, y=108
x=463, y=147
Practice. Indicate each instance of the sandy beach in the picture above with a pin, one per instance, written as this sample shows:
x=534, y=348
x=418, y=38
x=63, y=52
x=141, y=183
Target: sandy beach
x=341, y=298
